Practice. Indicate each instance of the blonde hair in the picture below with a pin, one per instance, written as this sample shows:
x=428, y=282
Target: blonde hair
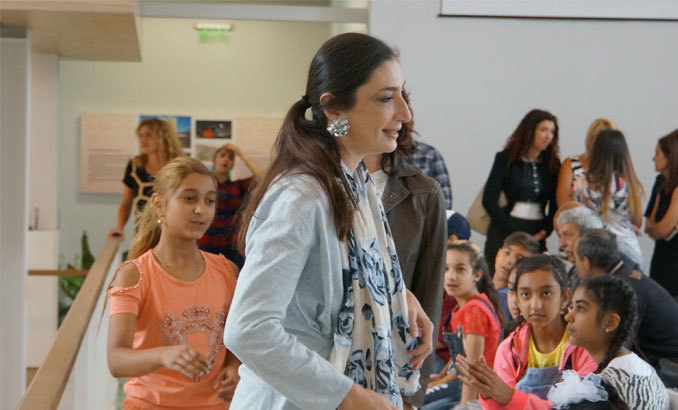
x=166, y=182
x=598, y=125
x=169, y=146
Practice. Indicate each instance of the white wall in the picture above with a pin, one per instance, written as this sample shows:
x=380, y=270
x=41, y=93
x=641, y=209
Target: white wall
x=473, y=79
x=14, y=137
x=44, y=144
x=261, y=71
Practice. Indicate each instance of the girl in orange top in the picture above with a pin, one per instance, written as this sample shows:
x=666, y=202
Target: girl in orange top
x=169, y=303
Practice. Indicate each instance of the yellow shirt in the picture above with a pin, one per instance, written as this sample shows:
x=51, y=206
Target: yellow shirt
x=541, y=360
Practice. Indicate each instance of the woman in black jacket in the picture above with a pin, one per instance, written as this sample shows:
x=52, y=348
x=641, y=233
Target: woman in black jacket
x=527, y=172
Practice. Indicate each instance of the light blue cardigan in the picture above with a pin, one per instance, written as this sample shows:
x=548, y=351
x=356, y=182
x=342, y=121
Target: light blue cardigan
x=288, y=295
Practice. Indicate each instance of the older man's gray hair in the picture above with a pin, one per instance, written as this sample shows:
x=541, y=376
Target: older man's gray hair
x=582, y=216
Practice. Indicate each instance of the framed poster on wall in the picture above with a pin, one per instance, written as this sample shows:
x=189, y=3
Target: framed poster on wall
x=564, y=9
x=108, y=141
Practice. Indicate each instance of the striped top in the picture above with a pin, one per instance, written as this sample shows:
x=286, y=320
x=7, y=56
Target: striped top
x=637, y=383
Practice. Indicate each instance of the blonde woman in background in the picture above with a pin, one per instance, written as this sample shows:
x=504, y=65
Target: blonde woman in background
x=576, y=166
x=158, y=144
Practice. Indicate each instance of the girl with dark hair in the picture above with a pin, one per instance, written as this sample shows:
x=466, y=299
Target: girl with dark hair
x=526, y=171
x=532, y=357
x=474, y=326
x=612, y=190
x=415, y=208
x=601, y=321
x=321, y=318
x=661, y=215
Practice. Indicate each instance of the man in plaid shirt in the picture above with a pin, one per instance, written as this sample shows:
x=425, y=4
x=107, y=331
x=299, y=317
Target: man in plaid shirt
x=429, y=162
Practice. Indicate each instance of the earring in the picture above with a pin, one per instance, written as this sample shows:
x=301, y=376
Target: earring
x=338, y=127
x=159, y=219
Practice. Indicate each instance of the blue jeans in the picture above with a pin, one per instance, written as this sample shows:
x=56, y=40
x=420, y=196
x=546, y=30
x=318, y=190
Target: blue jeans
x=443, y=397
x=539, y=381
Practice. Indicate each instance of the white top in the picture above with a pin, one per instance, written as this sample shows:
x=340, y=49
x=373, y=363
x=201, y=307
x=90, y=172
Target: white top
x=633, y=364
x=380, y=178
x=637, y=383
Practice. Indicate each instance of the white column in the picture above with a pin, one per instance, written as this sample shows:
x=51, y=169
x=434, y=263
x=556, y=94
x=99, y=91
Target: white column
x=14, y=135
x=44, y=141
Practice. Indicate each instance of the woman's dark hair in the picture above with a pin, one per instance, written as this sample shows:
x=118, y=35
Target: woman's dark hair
x=613, y=295
x=484, y=285
x=609, y=156
x=304, y=146
x=545, y=262
x=404, y=143
x=522, y=138
x=669, y=146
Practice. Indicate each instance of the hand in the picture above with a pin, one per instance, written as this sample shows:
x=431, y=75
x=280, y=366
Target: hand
x=500, y=279
x=637, y=231
x=420, y=324
x=539, y=235
x=434, y=382
x=234, y=148
x=484, y=380
x=116, y=233
x=184, y=359
x=442, y=378
x=435, y=377
x=226, y=381
x=359, y=398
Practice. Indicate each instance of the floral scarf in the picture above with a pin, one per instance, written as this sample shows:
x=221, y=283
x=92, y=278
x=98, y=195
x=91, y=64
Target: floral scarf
x=372, y=337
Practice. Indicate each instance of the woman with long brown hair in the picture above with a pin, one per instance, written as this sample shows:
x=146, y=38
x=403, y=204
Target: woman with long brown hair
x=321, y=317
x=158, y=144
x=612, y=190
x=526, y=171
x=575, y=166
x=661, y=216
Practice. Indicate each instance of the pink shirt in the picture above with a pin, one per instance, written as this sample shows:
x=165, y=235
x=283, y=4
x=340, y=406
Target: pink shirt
x=173, y=312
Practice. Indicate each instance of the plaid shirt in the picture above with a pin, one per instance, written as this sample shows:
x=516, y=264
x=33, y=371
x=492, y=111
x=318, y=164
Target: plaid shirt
x=429, y=162
x=221, y=237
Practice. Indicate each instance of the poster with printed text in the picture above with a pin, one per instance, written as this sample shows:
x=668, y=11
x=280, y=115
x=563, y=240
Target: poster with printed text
x=108, y=141
x=256, y=138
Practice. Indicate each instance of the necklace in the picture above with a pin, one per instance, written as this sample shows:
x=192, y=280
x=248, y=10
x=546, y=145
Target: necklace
x=194, y=273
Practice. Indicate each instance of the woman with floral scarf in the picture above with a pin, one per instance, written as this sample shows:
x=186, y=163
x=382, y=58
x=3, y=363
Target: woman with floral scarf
x=321, y=318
